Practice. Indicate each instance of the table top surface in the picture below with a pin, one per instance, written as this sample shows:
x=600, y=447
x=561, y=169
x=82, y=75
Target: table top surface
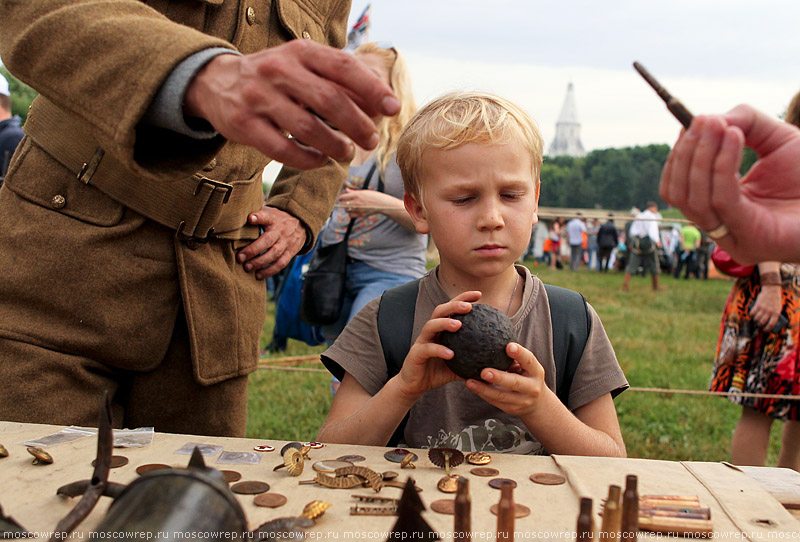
x=740, y=506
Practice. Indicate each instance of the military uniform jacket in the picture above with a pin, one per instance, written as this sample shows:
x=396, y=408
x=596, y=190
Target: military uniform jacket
x=84, y=272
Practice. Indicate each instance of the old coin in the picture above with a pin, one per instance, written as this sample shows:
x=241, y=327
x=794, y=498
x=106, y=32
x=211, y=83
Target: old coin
x=547, y=479
x=520, y=510
x=231, y=476
x=448, y=484
x=330, y=465
x=251, y=487
x=484, y=471
x=354, y=458
x=270, y=500
x=150, y=467
x=116, y=461
x=389, y=475
x=497, y=483
x=444, y=506
x=40, y=457
x=479, y=458
x=264, y=448
x=398, y=454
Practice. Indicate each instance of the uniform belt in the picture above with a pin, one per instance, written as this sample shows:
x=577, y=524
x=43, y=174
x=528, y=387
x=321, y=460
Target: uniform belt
x=197, y=208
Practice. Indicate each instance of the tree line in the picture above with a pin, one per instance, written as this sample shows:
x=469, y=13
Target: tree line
x=609, y=178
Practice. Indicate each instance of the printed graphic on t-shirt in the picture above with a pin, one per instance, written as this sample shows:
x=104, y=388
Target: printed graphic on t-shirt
x=492, y=436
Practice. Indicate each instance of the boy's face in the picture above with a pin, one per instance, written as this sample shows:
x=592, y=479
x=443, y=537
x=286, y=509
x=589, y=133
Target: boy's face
x=480, y=203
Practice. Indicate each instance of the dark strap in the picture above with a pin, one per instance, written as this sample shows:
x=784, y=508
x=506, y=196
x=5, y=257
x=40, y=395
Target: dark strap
x=395, y=326
x=568, y=312
x=571, y=327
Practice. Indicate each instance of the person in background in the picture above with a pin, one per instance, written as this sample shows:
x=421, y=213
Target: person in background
x=607, y=239
x=10, y=132
x=383, y=249
x=690, y=242
x=592, y=261
x=643, y=242
x=575, y=230
x=554, y=235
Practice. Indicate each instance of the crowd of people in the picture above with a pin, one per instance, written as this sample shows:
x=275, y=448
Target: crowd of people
x=157, y=226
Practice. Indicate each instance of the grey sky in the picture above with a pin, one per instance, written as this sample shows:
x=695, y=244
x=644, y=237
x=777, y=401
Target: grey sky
x=711, y=54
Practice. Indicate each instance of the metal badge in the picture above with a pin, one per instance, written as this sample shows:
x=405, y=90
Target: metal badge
x=314, y=445
x=445, y=458
x=408, y=462
x=374, y=479
x=398, y=454
x=40, y=457
x=264, y=448
x=479, y=458
x=293, y=461
x=315, y=509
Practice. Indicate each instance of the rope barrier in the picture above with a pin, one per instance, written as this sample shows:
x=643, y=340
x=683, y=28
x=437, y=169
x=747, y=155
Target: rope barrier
x=720, y=393
x=274, y=364
x=599, y=216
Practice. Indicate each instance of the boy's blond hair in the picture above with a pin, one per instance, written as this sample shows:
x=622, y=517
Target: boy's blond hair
x=458, y=118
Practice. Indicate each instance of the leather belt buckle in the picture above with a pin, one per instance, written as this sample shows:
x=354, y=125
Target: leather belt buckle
x=217, y=185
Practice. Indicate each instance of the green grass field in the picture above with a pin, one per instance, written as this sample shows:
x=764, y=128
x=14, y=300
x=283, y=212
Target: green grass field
x=662, y=339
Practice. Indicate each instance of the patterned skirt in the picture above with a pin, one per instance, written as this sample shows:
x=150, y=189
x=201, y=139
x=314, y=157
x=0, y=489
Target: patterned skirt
x=752, y=360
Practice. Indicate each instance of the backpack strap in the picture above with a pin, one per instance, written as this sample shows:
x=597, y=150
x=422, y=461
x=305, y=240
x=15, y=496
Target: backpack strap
x=571, y=327
x=568, y=312
x=395, y=325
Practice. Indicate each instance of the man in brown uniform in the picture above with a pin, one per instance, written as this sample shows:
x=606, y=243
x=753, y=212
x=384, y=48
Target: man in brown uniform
x=130, y=242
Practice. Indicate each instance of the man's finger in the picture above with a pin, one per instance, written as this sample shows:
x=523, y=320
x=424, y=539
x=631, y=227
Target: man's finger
x=352, y=75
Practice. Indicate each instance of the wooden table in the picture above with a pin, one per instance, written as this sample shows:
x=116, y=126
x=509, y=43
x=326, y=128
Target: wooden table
x=740, y=507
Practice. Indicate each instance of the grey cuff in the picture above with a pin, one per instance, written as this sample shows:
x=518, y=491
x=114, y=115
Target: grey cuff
x=166, y=109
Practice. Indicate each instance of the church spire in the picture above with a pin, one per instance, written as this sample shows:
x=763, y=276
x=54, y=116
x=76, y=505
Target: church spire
x=568, y=130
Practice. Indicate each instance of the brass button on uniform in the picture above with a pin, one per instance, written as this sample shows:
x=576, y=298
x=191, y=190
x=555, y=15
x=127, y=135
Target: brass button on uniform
x=211, y=165
x=58, y=201
x=250, y=14
x=306, y=35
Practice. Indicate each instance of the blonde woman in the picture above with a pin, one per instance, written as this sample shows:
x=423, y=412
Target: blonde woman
x=384, y=249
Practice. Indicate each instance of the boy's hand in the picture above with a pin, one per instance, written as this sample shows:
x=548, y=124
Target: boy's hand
x=424, y=368
x=519, y=390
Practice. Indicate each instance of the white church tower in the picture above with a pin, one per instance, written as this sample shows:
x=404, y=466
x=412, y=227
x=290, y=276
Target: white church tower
x=568, y=130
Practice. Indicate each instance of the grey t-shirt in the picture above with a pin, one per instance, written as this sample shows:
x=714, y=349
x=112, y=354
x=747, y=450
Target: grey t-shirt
x=377, y=240
x=454, y=417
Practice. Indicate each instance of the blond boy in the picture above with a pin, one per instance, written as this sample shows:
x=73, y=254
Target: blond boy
x=470, y=163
